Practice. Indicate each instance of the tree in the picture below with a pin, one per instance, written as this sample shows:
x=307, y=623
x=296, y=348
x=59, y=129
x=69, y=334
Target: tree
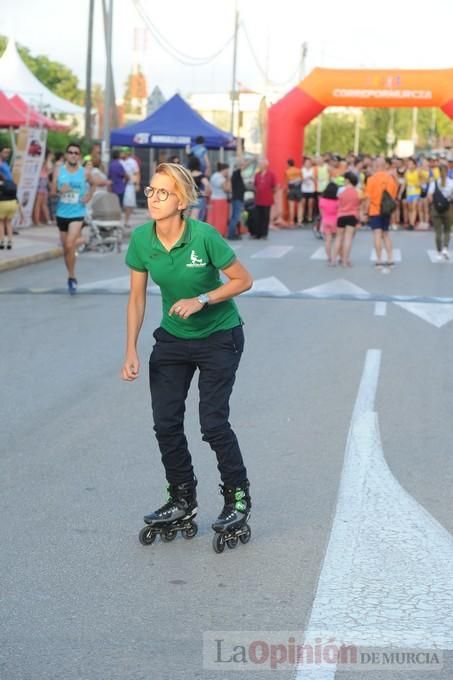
x=337, y=133
x=338, y=127
x=57, y=77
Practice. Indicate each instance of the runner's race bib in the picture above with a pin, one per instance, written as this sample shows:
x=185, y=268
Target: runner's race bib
x=71, y=197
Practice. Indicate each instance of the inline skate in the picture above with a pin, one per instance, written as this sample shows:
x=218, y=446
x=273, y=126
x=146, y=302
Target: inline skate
x=231, y=525
x=177, y=514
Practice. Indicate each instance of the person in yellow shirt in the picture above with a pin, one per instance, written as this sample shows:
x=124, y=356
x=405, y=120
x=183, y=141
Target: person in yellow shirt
x=423, y=210
x=413, y=191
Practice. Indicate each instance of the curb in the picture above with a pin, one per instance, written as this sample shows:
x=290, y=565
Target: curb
x=30, y=259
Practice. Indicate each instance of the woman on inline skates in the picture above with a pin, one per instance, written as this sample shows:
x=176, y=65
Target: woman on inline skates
x=200, y=329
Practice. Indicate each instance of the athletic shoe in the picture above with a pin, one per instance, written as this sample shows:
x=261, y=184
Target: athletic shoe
x=445, y=253
x=72, y=286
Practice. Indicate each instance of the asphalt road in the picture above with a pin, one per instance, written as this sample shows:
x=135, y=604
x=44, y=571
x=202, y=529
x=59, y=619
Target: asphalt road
x=83, y=600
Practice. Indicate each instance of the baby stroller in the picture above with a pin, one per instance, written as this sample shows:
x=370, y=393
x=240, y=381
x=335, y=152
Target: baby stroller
x=249, y=210
x=105, y=231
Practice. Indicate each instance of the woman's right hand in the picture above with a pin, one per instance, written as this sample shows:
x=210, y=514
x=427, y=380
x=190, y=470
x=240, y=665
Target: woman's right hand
x=131, y=367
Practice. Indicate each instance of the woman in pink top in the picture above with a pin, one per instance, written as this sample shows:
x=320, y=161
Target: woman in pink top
x=328, y=207
x=348, y=219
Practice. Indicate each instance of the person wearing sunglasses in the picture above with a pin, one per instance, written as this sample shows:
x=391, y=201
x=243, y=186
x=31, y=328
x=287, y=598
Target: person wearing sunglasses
x=72, y=187
x=201, y=329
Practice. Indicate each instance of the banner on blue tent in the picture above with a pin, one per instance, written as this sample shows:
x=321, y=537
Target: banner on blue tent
x=146, y=138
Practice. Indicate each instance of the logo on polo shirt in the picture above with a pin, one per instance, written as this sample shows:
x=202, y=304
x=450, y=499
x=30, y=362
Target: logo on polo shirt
x=196, y=261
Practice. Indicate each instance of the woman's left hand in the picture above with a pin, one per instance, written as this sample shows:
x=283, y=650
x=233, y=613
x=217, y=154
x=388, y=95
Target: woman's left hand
x=185, y=308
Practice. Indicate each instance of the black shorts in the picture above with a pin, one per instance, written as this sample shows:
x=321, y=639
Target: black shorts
x=308, y=194
x=347, y=221
x=64, y=222
x=294, y=194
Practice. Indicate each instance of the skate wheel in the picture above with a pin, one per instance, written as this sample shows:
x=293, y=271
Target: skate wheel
x=146, y=536
x=168, y=535
x=245, y=538
x=191, y=531
x=218, y=543
x=232, y=542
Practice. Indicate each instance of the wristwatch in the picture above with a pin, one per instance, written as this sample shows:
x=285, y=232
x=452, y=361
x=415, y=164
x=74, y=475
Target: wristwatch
x=203, y=299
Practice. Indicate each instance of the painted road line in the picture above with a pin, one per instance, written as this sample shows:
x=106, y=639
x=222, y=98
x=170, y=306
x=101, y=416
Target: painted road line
x=435, y=314
x=271, y=285
x=260, y=291
x=319, y=254
x=380, y=309
x=386, y=577
x=336, y=287
x=396, y=255
x=272, y=252
x=119, y=284
x=434, y=257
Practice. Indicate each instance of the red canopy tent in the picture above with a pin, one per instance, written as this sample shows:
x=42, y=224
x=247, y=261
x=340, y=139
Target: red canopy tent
x=33, y=117
x=9, y=115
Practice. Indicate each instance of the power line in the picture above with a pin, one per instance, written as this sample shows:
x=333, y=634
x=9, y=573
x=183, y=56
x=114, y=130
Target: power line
x=261, y=69
x=173, y=51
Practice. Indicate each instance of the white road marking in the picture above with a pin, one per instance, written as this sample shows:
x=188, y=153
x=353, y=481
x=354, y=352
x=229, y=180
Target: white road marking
x=319, y=254
x=434, y=257
x=380, y=309
x=396, y=255
x=386, y=577
x=271, y=285
x=336, y=287
x=121, y=283
x=272, y=252
x=436, y=314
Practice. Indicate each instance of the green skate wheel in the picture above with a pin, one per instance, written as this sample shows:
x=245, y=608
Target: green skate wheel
x=191, y=530
x=232, y=542
x=245, y=538
x=146, y=536
x=168, y=535
x=218, y=543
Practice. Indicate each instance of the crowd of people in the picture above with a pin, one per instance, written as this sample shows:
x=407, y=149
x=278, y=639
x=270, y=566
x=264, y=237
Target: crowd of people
x=338, y=195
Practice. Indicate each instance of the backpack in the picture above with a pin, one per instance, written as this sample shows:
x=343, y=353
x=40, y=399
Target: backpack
x=388, y=204
x=8, y=190
x=440, y=203
x=199, y=151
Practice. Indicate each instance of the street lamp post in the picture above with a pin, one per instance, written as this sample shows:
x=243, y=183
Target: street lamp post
x=108, y=86
x=88, y=72
x=233, y=84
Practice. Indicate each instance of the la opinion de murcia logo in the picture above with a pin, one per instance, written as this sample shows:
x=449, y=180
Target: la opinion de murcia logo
x=195, y=261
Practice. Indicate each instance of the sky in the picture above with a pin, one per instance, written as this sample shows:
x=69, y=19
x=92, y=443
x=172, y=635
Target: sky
x=338, y=34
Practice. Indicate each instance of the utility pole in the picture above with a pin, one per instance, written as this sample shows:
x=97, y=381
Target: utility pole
x=318, y=134
x=414, y=135
x=357, y=132
x=109, y=65
x=432, y=130
x=390, y=139
x=88, y=72
x=303, y=60
x=235, y=49
x=108, y=85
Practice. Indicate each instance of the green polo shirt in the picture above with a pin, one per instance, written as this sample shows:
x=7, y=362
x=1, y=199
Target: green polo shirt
x=190, y=268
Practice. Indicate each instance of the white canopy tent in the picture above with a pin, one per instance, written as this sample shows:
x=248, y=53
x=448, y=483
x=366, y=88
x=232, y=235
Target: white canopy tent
x=16, y=78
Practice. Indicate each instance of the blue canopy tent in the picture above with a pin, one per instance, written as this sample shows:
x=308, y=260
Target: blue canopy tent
x=174, y=125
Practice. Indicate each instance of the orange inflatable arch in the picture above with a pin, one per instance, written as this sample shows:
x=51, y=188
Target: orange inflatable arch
x=334, y=87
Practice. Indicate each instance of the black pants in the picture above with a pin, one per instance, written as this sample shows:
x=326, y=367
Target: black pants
x=172, y=365
x=262, y=217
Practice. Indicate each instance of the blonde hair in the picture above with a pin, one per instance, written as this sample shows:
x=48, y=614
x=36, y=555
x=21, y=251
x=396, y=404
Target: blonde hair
x=185, y=187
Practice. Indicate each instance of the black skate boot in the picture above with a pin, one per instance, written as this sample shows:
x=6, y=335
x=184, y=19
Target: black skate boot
x=231, y=525
x=175, y=515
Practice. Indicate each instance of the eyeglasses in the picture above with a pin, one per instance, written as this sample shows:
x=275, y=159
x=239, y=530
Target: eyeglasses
x=74, y=153
x=162, y=194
